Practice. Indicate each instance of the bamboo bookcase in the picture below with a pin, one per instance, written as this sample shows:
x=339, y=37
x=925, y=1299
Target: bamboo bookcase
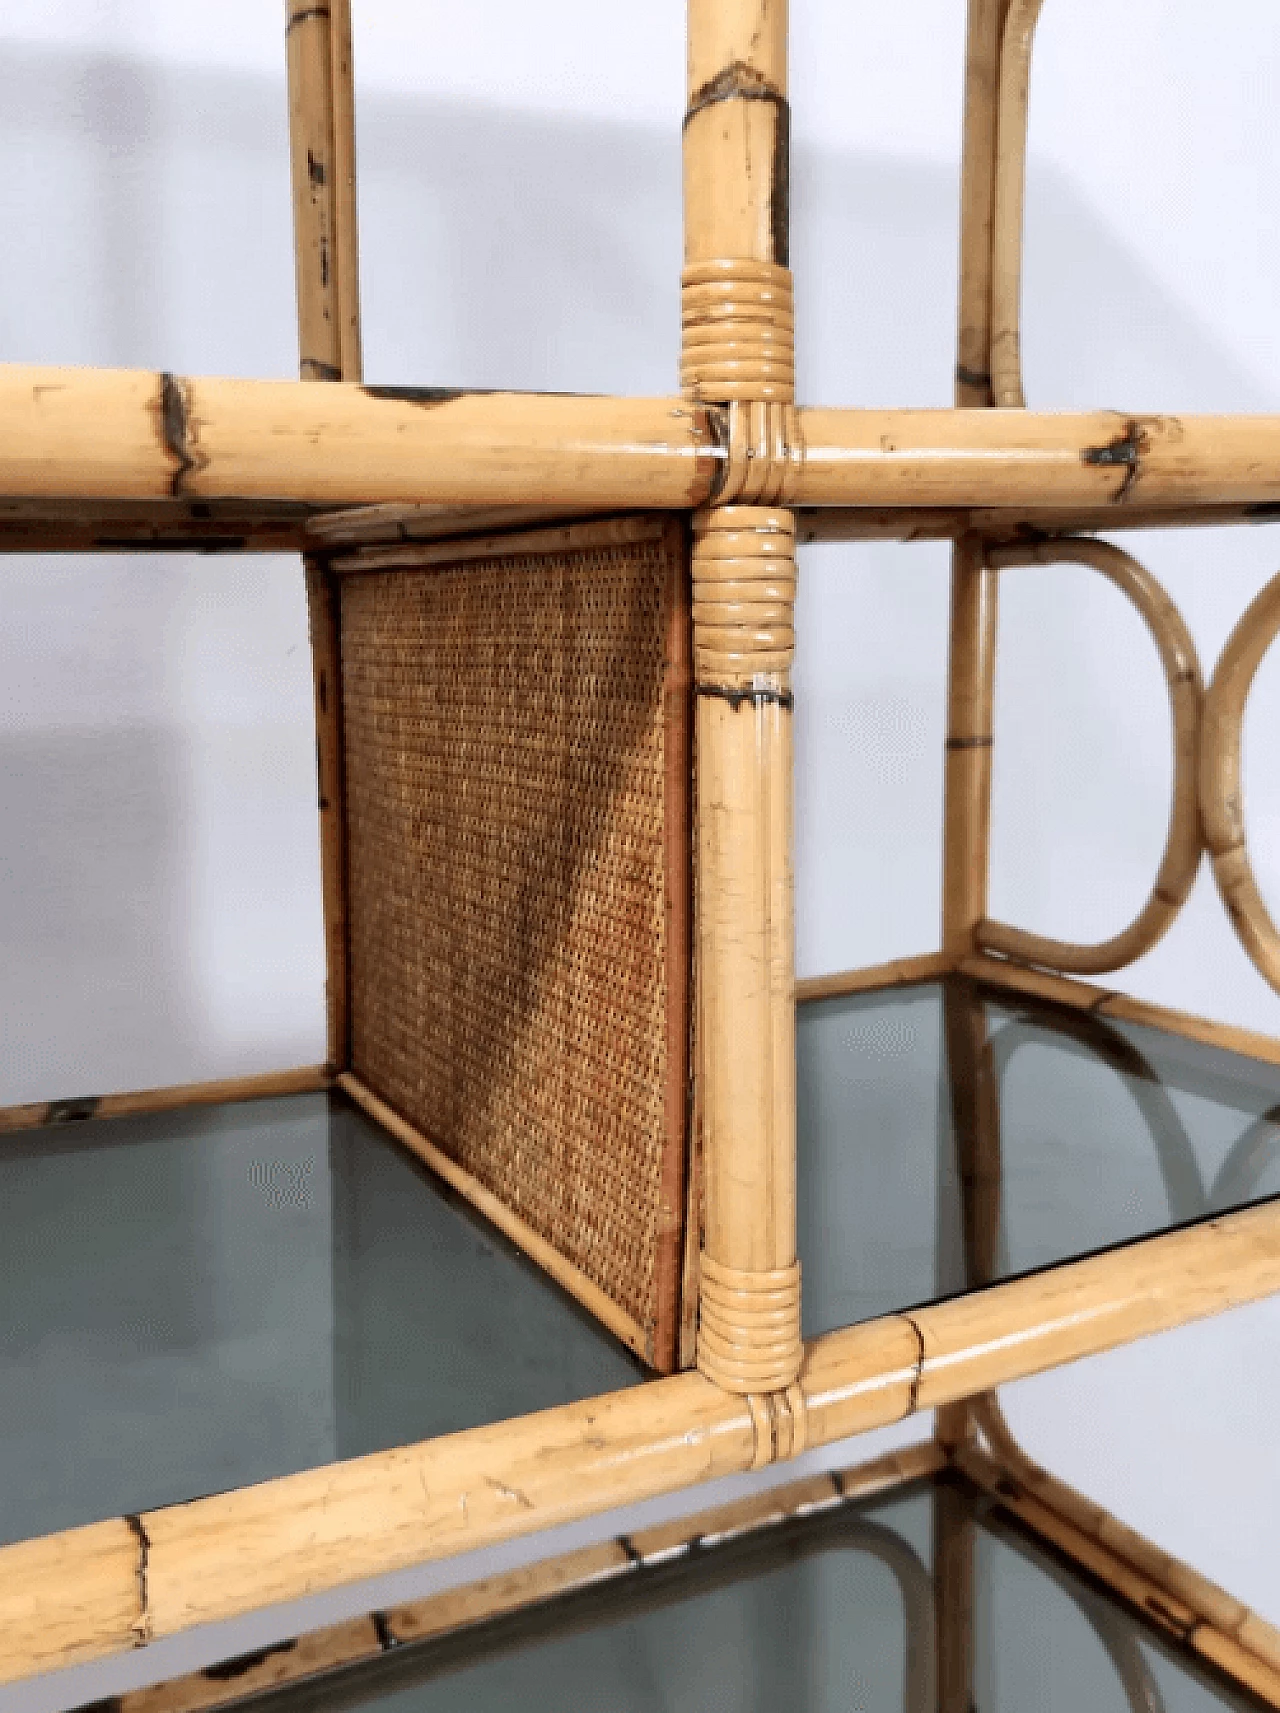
x=395, y=481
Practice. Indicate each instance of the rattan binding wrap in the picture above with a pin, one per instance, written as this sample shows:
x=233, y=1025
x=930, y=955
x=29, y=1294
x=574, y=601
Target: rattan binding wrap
x=517, y=719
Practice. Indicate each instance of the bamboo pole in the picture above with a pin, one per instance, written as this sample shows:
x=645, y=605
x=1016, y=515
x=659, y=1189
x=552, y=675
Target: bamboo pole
x=342, y=86
x=955, y=1533
x=305, y=1658
x=1010, y=523
x=972, y=632
x=113, y=1586
x=1122, y=1007
x=1222, y=781
x=104, y=434
x=326, y=668
x=1181, y=859
x=326, y=256
x=267, y=1085
x=875, y=978
x=966, y=828
x=737, y=351
x=1013, y=458
x=1010, y=194
x=135, y=434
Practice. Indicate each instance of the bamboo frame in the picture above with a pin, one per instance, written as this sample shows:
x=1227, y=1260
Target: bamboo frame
x=1222, y=781
x=1181, y=859
x=1013, y=92
x=108, y=1587
x=1010, y=523
x=313, y=1655
x=948, y=1654
x=973, y=619
x=737, y=350
x=327, y=273
x=94, y=460
x=266, y=1085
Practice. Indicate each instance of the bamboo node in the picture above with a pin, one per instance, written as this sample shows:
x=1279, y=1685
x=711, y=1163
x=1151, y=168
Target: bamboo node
x=737, y=322
x=749, y=1330
x=744, y=588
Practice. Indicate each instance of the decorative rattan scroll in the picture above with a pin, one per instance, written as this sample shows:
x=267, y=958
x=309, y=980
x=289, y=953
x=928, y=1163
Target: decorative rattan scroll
x=1208, y=789
x=1222, y=782
x=1181, y=858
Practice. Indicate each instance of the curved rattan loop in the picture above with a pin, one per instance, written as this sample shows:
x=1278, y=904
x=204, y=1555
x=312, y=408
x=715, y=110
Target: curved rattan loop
x=1008, y=202
x=1222, y=781
x=1181, y=857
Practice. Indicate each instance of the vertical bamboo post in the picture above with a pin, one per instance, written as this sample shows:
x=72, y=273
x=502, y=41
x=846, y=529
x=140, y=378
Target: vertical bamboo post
x=971, y=662
x=326, y=256
x=737, y=352
x=955, y=1541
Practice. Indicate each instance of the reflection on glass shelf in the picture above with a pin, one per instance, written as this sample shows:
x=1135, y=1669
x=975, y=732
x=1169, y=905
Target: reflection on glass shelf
x=1072, y=1132
x=833, y=1612
x=194, y=1301
x=198, y=1300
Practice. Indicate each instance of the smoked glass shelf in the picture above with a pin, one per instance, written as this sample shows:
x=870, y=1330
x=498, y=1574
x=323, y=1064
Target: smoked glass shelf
x=877, y=1604
x=199, y=1300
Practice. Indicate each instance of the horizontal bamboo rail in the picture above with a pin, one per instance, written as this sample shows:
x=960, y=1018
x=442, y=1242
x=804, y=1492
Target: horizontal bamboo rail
x=306, y=1657
x=267, y=1085
x=1012, y=523
x=1121, y=1007
x=134, y=434
x=102, y=434
x=155, y=526
x=875, y=978
x=1026, y=458
x=381, y=526
x=117, y=1585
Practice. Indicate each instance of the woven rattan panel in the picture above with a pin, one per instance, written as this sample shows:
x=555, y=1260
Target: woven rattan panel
x=516, y=726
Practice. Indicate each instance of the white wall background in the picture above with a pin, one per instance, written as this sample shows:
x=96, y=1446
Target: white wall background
x=519, y=177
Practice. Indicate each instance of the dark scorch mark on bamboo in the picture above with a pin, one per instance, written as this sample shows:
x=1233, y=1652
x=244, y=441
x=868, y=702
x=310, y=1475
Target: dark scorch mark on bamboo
x=742, y=82
x=736, y=698
x=387, y=1638
x=139, y=1533
x=175, y=430
x=71, y=1111
x=1125, y=451
x=304, y=17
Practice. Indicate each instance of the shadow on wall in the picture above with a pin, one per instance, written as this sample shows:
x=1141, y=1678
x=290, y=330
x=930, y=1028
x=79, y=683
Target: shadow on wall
x=509, y=249
x=499, y=249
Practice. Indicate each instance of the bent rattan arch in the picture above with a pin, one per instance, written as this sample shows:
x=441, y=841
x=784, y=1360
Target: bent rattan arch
x=1181, y=857
x=1222, y=781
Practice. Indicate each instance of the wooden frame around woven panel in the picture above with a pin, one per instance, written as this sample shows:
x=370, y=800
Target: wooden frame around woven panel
x=326, y=258
x=737, y=353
